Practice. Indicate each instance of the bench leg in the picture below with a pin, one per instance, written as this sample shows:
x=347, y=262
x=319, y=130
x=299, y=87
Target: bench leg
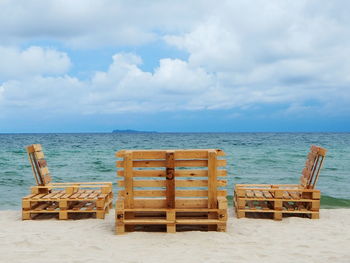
x=100, y=214
x=63, y=215
x=277, y=215
x=170, y=216
x=26, y=215
x=315, y=216
x=240, y=214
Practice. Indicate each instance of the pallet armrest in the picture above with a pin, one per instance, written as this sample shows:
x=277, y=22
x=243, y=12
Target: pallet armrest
x=83, y=183
x=248, y=186
x=73, y=184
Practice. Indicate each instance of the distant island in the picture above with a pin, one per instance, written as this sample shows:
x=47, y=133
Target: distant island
x=132, y=131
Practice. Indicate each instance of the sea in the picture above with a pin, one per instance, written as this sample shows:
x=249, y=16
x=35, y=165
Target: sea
x=273, y=158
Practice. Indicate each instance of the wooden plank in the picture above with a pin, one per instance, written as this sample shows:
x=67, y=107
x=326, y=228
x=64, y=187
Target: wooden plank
x=178, y=183
x=251, y=205
x=42, y=207
x=52, y=207
x=179, y=203
x=212, y=179
x=51, y=195
x=29, y=196
x=178, y=193
x=249, y=193
x=178, y=163
x=44, y=171
x=39, y=155
x=264, y=205
x=161, y=154
x=170, y=179
x=93, y=194
x=197, y=221
x=295, y=195
x=258, y=194
x=288, y=206
x=145, y=221
x=79, y=205
x=145, y=173
x=286, y=195
x=267, y=194
x=37, y=147
x=128, y=179
x=178, y=173
x=39, y=196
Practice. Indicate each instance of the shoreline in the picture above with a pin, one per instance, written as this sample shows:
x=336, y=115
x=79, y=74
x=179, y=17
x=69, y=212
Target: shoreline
x=247, y=240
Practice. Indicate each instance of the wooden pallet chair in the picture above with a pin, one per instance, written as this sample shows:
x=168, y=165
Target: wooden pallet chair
x=64, y=199
x=284, y=199
x=171, y=190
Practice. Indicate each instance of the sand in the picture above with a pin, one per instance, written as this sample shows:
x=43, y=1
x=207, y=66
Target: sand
x=247, y=240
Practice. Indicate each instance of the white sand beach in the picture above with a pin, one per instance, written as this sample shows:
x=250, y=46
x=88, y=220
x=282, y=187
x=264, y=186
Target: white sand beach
x=247, y=240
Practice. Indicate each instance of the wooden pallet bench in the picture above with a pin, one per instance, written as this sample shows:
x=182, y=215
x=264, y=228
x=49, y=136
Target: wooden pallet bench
x=259, y=200
x=63, y=200
x=171, y=190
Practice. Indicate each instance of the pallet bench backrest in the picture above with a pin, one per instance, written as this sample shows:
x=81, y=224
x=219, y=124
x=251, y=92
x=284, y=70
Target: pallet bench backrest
x=171, y=178
x=39, y=165
x=312, y=167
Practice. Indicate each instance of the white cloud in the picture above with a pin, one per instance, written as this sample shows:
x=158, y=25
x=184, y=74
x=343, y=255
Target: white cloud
x=96, y=23
x=16, y=63
x=240, y=54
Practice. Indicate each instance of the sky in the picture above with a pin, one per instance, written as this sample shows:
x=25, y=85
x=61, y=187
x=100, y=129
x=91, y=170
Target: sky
x=174, y=66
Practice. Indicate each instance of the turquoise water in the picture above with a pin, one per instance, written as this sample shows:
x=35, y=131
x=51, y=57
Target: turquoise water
x=252, y=158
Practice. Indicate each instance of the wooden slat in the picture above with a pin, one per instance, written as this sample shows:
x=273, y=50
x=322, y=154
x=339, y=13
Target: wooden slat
x=249, y=193
x=127, y=164
x=161, y=154
x=264, y=205
x=178, y=163
x=91, y=206
x=37, y=147
x=267, y=194
x=178, y=183
x=42, y=206
x=212, y=179
x=179, y=203
x=38, y=196
x=178, y=173
x=79, y=205
x=93, y=194
x=286, y=195
x=44, y=171
x=258, y=194
x=295, y=195
x=51, y=195
x=39, y=155
x=29, y=196
x=144, y=173
x=178, y=193
x=288, y=206
x=52, y=207
x=196, y=221
x=145, y=221
x=251, y=205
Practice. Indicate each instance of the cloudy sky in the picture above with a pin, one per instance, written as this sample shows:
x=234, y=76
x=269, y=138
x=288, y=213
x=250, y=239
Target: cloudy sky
x=242, y=65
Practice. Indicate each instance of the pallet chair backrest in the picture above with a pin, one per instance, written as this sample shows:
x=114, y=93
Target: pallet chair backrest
x=39, y=165
x=312, y=167
x=171, y=178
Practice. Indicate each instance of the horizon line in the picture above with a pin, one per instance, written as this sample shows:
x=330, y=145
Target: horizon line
x=155, y=132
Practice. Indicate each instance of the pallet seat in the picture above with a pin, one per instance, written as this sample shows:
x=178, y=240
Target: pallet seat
x=67, y=200
x=283, y=199
x=171, y=190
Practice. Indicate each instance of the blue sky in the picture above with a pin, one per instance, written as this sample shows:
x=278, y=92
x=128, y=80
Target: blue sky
x=95, y=66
